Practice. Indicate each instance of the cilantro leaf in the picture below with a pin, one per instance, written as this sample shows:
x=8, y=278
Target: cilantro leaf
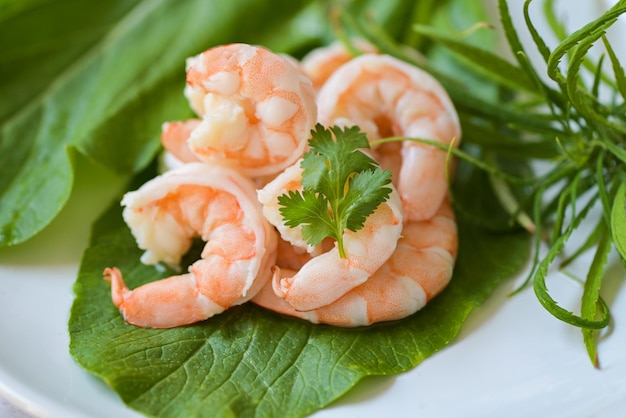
x=342, y=186
x=364, y=195
x=303, y=208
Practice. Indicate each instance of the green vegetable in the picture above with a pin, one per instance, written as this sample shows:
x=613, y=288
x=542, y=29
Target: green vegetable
x=562, y=107
x=125, y=60
x=101, y=79
x=252, y=362
x=341, y=186
x=618, y=220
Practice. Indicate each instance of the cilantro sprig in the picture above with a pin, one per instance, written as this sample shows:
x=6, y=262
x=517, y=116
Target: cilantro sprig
x=341, y=186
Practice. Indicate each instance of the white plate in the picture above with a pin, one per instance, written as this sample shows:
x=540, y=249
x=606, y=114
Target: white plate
x=511, y=358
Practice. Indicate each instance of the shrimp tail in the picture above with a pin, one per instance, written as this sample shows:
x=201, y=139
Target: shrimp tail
x=119, y=290
x=166, y=303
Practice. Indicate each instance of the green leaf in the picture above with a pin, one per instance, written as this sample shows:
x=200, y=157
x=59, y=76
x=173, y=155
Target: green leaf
x=102, y=79
x=365, y=191
x=251, y=362
x=615, y=149
x=304, y=209
x=618, y=220
x=591, y=294
x=541, y=290
x=594, y=28
x=484, y=61
x=618, y=70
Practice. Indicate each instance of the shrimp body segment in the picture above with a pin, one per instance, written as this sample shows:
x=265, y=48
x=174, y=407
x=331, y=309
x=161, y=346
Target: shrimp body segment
x=388, y=97
x=327, y=276
x=256, y=108
x=213, y=203
x=174, y=137
x=288, y=180
x=419, y=269
x=320, y=63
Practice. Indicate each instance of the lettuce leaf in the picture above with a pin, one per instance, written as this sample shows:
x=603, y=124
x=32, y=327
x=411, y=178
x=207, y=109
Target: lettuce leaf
x=252, y=362
x=101, y=79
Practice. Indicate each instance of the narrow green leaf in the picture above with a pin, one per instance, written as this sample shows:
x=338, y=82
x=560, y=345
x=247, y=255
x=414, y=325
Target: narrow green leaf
x=541, y=290
x=477, y=162
x=564, y=198
x=597, y=78
x=591, y=292
x=594, y=28
x=602, y=189
x=511, y=34
x=618, y=220
x=583, y=101
x=615, y=149
x=507, y=143
x=513, y=39
x=537, y=238
x=553, y=96
x=422, y=14
x=618, y=70
x=500, y=113
x=590, y=242
x=484, y=61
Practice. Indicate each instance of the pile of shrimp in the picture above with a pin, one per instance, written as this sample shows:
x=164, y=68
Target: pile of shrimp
x=225, y=168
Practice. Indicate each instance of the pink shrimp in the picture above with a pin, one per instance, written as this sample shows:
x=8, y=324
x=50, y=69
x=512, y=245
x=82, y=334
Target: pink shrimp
x=255, y=108
x=320, y=63
x=327, y=276
x=419, y=269
x=388, y=97
x=216, y=204
x=288, y=180
x=174, y=137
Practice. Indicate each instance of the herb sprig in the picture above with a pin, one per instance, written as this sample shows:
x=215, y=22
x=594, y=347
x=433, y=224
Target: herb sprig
x=557, y=111
x=342, y=186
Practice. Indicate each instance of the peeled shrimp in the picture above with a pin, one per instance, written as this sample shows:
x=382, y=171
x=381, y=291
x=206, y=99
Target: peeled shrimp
x=174, y=137
x=327, y=276
x=419, y=269
x=255, y=108
x=320, y=63
x=288, y=180
x=388, y=97
x=216, y=204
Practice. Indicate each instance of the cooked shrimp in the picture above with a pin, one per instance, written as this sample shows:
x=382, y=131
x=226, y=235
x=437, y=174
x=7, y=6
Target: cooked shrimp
x=288, y=180
x=174, y=137
x=216, y=204
x=388, y=97
x=321, y=62
x=256, y=108
x=327, y=276
x=419, y=269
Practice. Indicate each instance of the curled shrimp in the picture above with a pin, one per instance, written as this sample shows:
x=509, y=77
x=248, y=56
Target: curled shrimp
x=327, y=276
x=255, y=110
x=174, y=137
x=388, y=97
x=419, y=269
x=320, y=63
x=288, y=180
x=216, y=204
